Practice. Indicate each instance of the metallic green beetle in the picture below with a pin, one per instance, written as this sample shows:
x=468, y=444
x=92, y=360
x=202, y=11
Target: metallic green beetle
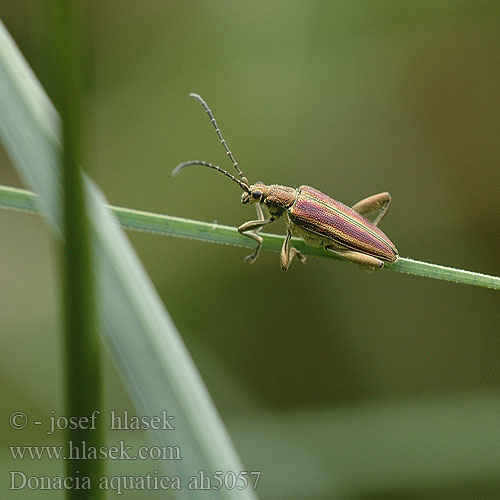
x=313, y=216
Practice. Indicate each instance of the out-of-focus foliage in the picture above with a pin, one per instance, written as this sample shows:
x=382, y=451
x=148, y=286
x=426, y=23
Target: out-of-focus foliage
x=353, y=98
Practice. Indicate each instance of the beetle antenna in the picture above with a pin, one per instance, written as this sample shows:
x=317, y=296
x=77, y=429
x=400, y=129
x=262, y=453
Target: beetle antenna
x=242, y=184
x=222, y=140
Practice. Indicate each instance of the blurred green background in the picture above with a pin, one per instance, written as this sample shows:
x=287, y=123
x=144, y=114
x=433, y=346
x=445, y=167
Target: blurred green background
x=334, y=382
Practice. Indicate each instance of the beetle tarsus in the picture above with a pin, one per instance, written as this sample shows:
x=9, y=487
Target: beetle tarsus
x=252, y=257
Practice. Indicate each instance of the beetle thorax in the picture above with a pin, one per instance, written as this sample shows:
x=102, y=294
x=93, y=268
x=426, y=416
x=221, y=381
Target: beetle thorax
x=281, y=197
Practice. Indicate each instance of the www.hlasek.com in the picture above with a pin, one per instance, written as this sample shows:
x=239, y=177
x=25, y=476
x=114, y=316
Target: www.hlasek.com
x=83, y=451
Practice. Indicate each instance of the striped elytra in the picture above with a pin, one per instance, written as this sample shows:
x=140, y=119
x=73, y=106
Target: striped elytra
x=323, y=216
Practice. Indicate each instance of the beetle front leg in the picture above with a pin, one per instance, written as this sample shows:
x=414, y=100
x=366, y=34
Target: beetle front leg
x=252, y=225
x=260, y=213
x=381, y=201
x=365, y=262
x=288, y=253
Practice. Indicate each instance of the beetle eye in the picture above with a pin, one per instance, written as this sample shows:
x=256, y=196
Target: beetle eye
x=257, y=194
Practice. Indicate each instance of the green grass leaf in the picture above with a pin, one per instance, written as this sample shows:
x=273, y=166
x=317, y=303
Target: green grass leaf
x=142, y=339
x=215, y=233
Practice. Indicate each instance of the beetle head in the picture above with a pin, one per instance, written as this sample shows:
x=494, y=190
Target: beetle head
x=257, y=193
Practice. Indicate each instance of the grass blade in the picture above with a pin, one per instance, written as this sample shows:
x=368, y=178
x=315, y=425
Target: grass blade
x=215, y=233
x=149, y=354
x=81, y=346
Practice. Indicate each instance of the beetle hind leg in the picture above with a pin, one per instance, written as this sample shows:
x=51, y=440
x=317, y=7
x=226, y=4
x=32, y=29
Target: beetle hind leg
x=381, y=201
x=365, y=262
x=288, y=253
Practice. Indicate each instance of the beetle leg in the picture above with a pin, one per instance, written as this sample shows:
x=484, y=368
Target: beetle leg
x=288, y=253
x=365, y=262
x=381, y=201
x=252, y=225
x=260, y=213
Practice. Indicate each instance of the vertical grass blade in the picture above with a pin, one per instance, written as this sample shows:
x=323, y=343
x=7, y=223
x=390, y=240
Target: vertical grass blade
x=82, y=359
x=148, y=352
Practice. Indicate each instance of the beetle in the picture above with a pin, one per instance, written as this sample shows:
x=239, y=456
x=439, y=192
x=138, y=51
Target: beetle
x=311, y=215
